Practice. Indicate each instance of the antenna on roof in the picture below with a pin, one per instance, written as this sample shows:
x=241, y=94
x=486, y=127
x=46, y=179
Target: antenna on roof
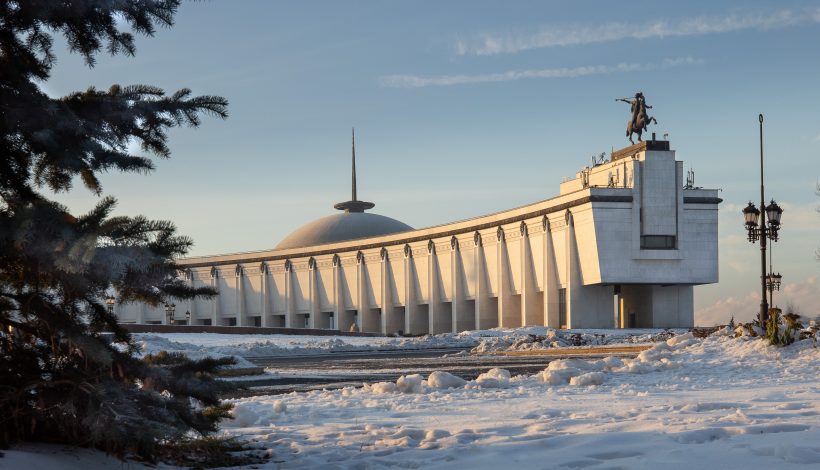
x=353, y=133
x=353, y=205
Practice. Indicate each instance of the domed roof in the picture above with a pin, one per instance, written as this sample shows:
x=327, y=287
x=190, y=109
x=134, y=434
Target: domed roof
x=341, y=227
x=353, y=223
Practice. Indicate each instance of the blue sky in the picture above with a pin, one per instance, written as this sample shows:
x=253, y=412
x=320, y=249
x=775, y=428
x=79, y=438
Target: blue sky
x=468, y=107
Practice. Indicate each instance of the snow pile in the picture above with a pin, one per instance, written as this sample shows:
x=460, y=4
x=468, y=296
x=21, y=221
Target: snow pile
x=541, y=338
x=155, y=345
x=494, y=378
x=410, y=383
x=293, y=345
x=724, y=401
x=441, y=379
x=590, y=378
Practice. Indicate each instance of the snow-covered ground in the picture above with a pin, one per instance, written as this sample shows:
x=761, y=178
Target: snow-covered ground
x=496, y=339
x=718, y=402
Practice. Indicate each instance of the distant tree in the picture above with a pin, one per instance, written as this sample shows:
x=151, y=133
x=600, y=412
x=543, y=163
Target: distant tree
x=61, y=378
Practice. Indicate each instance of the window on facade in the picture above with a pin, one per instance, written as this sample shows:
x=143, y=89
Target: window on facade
x=658, y=242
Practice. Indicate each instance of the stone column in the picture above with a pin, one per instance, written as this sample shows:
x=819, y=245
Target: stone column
x=313, y=292
x=361, y=294
x=573, y=273
x=460, y=316
x=550, y=278
x=481, y=296
x=529, y=299
x=409, y=291
x=435, y=323
x=338, y=296
x=189, y=276
x=239, y=288
x=290, y=310
x=506, y=319
x=215, y=313
x=264, y=295
x=384, y=298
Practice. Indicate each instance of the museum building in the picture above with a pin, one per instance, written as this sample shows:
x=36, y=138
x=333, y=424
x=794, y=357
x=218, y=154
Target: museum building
x=622, y=245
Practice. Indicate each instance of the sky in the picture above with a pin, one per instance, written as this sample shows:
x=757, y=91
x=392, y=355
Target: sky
x=464, y=108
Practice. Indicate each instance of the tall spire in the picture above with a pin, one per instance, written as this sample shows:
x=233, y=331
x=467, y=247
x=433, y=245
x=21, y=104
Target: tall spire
x=354, y=205
x=353, y=133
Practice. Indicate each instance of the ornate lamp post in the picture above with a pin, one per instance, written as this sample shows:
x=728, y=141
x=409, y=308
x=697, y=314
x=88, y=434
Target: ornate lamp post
x=169, y=313
x=757, y=228
x=109, y=302
x=772, y=284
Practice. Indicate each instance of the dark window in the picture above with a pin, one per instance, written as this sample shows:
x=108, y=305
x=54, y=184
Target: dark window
x=658, y=242
x=562, y=308
x=257, y=321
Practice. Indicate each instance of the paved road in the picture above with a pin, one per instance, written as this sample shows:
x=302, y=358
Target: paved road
x=343, y=369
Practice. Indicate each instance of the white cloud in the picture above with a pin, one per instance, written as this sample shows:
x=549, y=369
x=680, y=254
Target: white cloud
x=417, y=81
x=512, y=42
x=804, y=295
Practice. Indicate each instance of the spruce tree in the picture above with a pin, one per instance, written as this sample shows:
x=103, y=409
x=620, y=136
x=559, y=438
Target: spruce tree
x=61, y=378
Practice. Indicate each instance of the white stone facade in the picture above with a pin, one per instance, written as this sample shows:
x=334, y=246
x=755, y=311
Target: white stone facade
x=622, y=245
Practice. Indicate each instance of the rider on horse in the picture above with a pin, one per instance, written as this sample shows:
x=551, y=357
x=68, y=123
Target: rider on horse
x=640, y=119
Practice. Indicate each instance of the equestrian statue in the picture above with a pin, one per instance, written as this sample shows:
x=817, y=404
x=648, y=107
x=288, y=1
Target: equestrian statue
x=640, y=120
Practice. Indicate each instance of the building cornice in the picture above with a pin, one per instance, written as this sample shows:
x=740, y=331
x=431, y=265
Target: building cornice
x=420, y=234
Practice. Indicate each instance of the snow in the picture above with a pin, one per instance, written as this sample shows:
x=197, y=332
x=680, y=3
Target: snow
x=441, y=379
x=481, y=341
x=720, y=402
x=57, y=457
x=716, y=402
x=291, y=345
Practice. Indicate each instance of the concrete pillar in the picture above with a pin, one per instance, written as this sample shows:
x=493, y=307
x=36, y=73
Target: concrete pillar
x=432, y=290
x=264, y=294
x=409, y=300
x=239, y=289
x=461, y=317
x=338, y=296
x=290, y=307
x=362, y=306
x=384, y=299
x=189, y=276
x=411, y=322
x=550, y=278
x=215, y=313
x=313, y=292
x=530, y=314
x=483, y=314
x=506, y=318
x=574, y=282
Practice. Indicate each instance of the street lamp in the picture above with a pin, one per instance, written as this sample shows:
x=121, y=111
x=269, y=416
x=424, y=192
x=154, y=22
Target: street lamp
x=169, y=313
x=760, y=229
x=109, y=302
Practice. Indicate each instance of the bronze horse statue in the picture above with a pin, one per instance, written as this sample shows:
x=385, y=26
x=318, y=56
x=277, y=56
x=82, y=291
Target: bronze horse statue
x=640, y=119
